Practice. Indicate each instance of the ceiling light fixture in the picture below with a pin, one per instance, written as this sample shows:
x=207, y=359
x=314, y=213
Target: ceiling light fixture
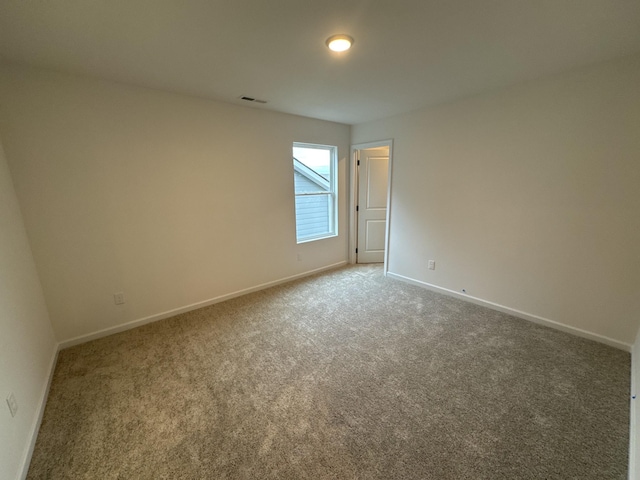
x=339, y=43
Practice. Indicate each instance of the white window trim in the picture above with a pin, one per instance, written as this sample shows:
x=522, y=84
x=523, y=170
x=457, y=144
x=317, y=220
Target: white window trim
x=333, y=192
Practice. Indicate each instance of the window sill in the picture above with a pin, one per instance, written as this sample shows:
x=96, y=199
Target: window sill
x=313, y=239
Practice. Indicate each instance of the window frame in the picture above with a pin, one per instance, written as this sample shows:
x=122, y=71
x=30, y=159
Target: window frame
x=332, y=193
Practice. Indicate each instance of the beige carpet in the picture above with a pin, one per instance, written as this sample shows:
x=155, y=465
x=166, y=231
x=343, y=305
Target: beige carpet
x=345, y=375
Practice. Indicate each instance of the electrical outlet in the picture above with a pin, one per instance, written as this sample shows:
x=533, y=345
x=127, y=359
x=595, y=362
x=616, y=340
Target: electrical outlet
x=431, y=265
x=13, y=404
x=299, y=257
x=118, y=298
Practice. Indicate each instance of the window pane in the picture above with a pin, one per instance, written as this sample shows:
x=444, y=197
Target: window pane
x=317, y=159
x=314, y=179
x=311, y=215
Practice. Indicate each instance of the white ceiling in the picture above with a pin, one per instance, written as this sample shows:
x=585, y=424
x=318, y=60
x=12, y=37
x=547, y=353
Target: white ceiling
x=407, y=53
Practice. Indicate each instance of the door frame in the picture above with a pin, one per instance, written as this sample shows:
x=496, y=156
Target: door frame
x=353, y=217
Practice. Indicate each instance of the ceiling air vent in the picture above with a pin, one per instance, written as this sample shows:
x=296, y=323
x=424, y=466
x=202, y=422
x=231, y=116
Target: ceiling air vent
x=251, y=99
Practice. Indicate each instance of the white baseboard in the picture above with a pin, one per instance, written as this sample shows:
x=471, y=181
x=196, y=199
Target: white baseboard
x=634, y=471
x=194, y=306
x=634, y=412
x=37, y=421
x=516, y=313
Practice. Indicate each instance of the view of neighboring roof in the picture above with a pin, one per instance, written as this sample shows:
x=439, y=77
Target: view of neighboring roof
x=321, y=180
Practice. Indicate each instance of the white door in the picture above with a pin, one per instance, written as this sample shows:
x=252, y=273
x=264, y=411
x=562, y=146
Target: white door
x=373, y=178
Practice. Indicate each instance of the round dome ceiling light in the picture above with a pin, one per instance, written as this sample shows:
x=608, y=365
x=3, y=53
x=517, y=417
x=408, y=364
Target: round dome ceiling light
x=339, y=43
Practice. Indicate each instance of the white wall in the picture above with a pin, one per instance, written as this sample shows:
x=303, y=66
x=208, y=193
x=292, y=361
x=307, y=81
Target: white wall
x=634, y=433
x=27, y=345
x=528, y=197
x=171, y=199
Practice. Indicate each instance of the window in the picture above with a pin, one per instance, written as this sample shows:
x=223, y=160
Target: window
x=314, y=173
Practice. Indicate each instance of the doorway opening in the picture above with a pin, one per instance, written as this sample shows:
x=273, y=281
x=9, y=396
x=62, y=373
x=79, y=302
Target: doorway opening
x=370, y=202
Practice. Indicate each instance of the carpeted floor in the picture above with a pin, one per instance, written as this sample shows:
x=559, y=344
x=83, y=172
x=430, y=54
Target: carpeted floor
x=344, y=375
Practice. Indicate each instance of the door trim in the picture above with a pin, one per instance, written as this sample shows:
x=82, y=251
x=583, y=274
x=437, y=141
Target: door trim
x=353, y=226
